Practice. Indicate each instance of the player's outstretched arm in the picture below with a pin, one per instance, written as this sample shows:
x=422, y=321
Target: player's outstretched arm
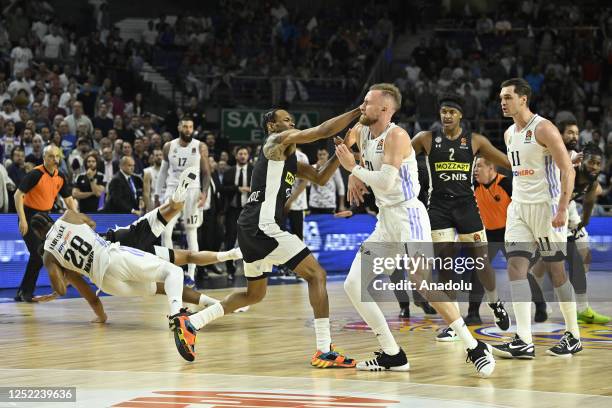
x=56, y=274
x=88, y=294
x=548, y=135
x=483, y=146
x=322, y=175
x=275, y=146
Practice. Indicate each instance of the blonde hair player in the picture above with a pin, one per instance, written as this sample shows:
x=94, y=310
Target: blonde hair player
x=542, y=185
x=389, y=167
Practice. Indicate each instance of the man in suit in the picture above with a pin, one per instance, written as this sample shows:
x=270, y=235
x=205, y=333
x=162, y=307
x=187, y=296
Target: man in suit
x=125, y=190
x=236, y=189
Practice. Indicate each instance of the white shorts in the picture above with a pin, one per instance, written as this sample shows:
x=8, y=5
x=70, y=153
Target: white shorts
x=267, y=245
x=192, y=215
x=529, y=226
x=581, y=236
x=401, y=229
x=132, y=272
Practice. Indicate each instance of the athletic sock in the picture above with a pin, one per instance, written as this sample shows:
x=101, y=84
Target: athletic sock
x=460, y=328
x=207, y=300
x=206, y=316
x=491, y=295
x=322, y=334
x=567, y=304
x=386, y=340
x=173, y=286
x=521, y=295
x=234, y=253
x=582, y=302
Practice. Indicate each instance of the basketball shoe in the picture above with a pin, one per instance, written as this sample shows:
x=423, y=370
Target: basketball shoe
x=589, y=316
x=447, y=335
x=188, y=176
x=184, y=335
x=517, y=348
x=502, y=319
x=333, y=358
x=482, y=358
x=384, y=362
x=567, y=346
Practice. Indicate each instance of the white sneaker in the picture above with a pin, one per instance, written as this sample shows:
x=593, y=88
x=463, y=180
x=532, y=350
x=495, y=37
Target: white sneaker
x=188, y=176
x=242, y=309
x=447, y=335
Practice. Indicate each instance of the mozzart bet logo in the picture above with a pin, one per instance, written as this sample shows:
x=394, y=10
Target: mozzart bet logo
x=596, y=336
x=218, y=399
x=452, y=166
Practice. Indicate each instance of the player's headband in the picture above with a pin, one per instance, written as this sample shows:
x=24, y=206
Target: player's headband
x=451, y=104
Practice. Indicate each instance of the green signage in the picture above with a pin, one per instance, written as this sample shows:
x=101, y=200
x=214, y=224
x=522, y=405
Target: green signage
x=244, y=125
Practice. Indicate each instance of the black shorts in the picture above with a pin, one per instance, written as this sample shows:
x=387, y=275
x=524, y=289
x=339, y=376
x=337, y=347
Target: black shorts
x=137, y=235
x=264, y=248
x=460, y=213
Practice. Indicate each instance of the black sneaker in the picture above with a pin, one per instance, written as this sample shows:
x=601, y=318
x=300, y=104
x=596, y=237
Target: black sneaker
x=427, y=308
x=385, y=362
x=472, y=319
x=447, y=335
x=541, y=315
x=502, y=319
x=404, y=311
x=482, y=358
x=517, y=348
x=567, y=346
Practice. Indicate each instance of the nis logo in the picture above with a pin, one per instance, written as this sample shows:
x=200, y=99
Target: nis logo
x=453, y=177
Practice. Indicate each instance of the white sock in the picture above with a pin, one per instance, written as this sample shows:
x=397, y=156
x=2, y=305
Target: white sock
x=322, y=334
x=463, y=332
x=522, y=308
x=457, y=306
x=567, y=304
x=167, y=234
x=207, y=315
x=173, y=286
x=192, y=244
x=230, y=255
x=386, y=340
x=491, y=295
x=207, y=300
x=582, y=302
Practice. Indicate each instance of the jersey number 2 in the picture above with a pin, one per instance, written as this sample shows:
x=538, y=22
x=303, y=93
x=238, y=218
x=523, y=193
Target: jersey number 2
x=451, y=156
x=83, y=248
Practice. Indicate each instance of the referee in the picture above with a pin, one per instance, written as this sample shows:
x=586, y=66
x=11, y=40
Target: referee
x=36, y=194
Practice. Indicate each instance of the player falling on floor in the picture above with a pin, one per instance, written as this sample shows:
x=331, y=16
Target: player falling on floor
x=542, y=184
x=142, y=235
x=389, y=167
x=586, y=187
x=451, y=153
x=180, y=154
x=261, y=238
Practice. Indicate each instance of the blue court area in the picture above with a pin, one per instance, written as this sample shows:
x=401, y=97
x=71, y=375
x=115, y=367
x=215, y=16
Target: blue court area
x=333, y=242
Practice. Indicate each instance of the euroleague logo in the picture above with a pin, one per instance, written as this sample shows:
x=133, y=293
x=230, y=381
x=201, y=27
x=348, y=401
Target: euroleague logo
x=598, y=336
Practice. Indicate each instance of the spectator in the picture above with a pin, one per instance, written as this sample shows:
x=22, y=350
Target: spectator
x=6, y=186
x=36, y=155
x=327, y=198
x=108, y=166
x=36, y=194
x=67, y=138
x=21, y=56
x=586, y=134
x=87, y=97
x=76, y=160
x=125, y=190
x=52, y=44
x=54, y=110
x=89, y=185
x=77, y=118
x=9, y=113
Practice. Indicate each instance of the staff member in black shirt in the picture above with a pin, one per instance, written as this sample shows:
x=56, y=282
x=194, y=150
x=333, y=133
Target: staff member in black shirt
x=36, y=194
x=89, y=185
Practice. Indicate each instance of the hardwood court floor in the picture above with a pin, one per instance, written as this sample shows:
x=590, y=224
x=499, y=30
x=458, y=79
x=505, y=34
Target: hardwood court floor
x=267, y=349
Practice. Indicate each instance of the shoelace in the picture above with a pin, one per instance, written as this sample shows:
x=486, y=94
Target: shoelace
x=565, y=341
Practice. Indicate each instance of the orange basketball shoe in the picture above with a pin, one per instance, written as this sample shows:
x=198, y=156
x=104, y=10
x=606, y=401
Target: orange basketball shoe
x=332, y=358
x=184, y=335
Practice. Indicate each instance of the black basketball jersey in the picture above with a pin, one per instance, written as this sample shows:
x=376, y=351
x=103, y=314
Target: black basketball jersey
x=582, y=184
x=270, y=188
x=451, y=164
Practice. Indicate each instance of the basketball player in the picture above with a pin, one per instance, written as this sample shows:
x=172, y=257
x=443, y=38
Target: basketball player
x=587, y=164
x=541, y=190
x=451, y=152
x=180, y=154
x=261, y=238
x=389, y=167
x=142, y=235
x=72, y=249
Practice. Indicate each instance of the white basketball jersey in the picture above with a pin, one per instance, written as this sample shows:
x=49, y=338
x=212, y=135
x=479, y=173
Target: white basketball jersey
x=179, y=158
x=536, y=178
x=154, y=172
x=80, y=249
x=406, y=185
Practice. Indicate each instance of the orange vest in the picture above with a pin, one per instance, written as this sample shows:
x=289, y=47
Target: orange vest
x=492, y=211
x=42, y=196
